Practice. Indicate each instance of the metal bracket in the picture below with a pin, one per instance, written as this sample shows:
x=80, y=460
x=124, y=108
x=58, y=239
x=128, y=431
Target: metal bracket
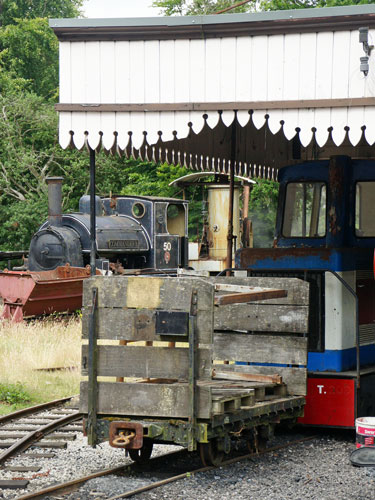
x=363, y=39
x=175, y=323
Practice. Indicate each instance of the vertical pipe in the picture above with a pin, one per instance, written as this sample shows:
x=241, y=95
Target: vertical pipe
x=92, y=214
x=228, y=263
x=54, y=200
x=246, y=199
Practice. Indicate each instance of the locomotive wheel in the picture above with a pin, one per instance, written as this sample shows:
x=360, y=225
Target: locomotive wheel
x=142, y=455
x=210, y=454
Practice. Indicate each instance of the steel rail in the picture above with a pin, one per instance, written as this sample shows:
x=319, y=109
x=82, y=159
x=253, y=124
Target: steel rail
x=36, y=435
x=208, y=468
x=33, y=409
x=76, y=482
x=81, y=480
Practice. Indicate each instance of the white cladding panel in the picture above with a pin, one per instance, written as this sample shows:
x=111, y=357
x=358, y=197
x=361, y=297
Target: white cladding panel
x=256, y=68
x=340, y=317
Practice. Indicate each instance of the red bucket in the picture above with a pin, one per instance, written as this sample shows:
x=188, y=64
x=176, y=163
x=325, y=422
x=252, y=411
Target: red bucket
x=365, y=432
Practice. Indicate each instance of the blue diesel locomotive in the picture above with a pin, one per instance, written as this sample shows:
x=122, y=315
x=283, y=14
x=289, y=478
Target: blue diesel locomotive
x=325, y=234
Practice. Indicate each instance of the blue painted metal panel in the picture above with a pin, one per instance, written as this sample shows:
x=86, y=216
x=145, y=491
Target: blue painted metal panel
x=285, y=259
x=339, y=361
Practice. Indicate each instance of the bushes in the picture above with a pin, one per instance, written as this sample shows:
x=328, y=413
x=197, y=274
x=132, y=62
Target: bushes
x=13, y=394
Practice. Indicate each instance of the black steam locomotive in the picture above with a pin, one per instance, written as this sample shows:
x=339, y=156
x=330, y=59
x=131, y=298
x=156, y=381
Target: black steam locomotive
x=132, y=232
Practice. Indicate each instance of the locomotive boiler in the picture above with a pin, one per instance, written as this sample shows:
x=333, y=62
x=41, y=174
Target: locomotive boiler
x=132, y=232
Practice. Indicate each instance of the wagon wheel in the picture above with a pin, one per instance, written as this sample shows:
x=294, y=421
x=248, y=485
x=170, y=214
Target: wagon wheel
x=256, y=444
x=210, y=453
x=142, y=454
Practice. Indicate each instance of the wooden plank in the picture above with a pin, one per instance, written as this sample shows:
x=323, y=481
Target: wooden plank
x=13, y=484
x=260, y=348
x=147, y=362
x=252, y=377
x=22, y=468
x=139, y=324
x=44, y=443
x=228, y=400
x=144, y=292
x=293, y=104
x=149, y=400
x=243, y=297
x=262, y=318
x=298, y=290
x=294, y=378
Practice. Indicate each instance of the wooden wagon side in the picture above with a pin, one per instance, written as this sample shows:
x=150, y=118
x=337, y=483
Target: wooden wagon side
x=164, y=352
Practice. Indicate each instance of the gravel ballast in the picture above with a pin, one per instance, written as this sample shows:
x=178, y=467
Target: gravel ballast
x=312, y=470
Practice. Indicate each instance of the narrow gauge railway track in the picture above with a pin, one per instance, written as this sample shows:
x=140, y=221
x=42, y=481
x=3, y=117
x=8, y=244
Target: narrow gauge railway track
x=152, y=474
x=32, y=427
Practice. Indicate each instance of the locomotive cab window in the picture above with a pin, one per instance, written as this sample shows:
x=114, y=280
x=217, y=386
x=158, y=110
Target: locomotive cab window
x=176, y=219
x=305, y=210
x=138, y=210
x=365, y=209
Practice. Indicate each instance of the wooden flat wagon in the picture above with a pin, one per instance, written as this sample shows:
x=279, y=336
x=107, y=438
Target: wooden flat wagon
x=161, y=357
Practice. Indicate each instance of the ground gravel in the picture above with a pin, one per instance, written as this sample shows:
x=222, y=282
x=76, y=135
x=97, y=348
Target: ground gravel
x=313, y=470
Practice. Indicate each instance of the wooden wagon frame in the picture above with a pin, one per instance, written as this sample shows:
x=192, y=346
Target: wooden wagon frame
x=166, y=343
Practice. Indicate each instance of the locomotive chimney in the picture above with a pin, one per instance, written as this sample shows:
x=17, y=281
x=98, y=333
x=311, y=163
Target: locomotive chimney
x=54, y=200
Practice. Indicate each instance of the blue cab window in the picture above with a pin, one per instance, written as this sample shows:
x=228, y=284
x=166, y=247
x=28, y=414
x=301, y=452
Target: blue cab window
x=305, y=210
x=365, y=209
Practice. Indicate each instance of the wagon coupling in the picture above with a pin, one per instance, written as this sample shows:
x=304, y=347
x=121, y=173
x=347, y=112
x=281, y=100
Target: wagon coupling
x=124, y=438
x=126, y=435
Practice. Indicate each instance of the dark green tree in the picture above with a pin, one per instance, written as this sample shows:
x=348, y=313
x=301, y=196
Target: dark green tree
x=202, y=7
x=262, y=211
x=29, y=55
x=307, y=4
x=12, y=10
x=199, y=7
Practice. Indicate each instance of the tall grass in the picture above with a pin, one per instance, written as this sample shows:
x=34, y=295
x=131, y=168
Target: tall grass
x=26, y=348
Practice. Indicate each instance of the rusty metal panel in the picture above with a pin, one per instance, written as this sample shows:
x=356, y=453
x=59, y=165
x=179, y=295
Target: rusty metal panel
x=34, y=293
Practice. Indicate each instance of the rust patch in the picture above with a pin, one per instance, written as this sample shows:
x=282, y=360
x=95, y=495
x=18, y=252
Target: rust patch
x=117, y=428
x=250, y=257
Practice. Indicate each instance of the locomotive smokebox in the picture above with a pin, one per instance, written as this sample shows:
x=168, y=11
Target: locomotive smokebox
x=54, y=245
x=54, y=200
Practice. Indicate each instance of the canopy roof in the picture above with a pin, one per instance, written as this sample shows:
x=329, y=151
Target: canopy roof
x=198, y=176
x=256, y=90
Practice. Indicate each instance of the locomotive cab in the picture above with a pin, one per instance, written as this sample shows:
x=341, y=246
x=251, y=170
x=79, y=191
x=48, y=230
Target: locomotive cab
x=325, y=234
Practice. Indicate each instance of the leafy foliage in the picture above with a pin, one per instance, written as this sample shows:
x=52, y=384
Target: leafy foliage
x=13, y=394
x=12, y=10
x=307, y=4
x=150, y=179
x=29, y=55
x=262, y=211
x=198, y=7
x=202, y=7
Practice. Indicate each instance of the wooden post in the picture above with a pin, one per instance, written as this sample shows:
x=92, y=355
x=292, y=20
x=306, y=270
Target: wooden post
x=192, y=442
x=93, y=370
